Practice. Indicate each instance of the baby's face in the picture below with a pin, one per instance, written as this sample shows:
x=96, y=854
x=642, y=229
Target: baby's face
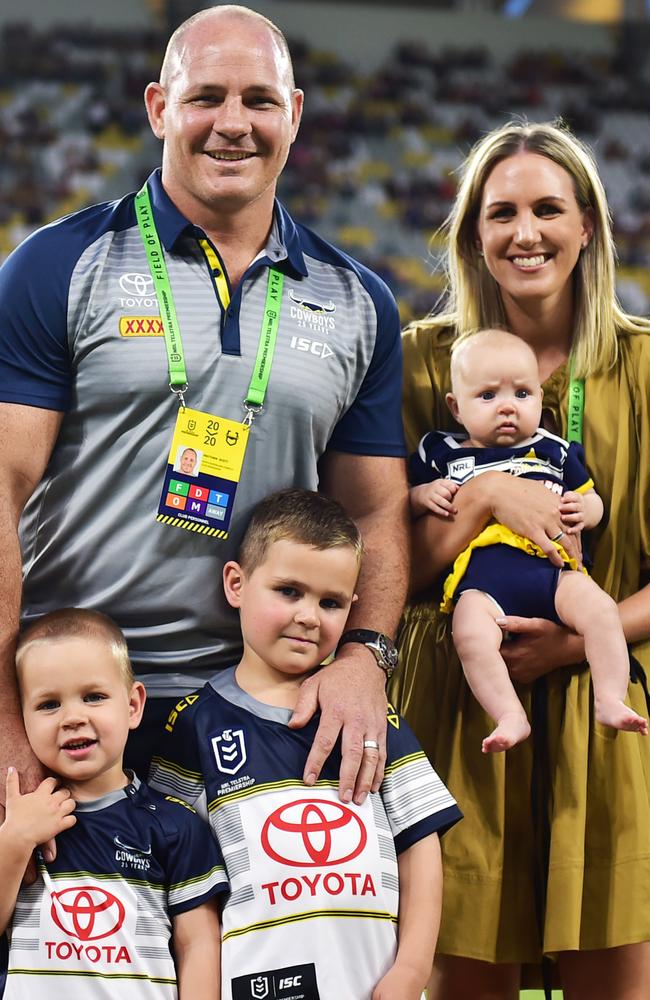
x=497, y=395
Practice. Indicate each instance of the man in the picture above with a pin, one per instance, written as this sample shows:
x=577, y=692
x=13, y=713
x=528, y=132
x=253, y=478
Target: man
x=88, y=418
x=188, y=462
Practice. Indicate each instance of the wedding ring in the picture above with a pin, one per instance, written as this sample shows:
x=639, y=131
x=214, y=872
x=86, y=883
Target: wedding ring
x=370, y=745
x=558, y=537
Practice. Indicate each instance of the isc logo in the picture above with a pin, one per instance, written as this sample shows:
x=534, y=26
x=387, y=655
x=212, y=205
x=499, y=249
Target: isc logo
x=289, y=981
x=316, y=347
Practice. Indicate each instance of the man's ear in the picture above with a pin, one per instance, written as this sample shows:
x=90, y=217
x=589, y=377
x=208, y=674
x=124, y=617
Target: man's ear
x=450, y=400
x=233, y=583
x=154, y=102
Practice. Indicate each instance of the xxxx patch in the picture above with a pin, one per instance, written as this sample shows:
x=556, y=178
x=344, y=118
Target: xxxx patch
x=141, y=326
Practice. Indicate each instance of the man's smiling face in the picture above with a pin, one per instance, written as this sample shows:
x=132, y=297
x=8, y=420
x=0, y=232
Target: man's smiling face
x=227, y=113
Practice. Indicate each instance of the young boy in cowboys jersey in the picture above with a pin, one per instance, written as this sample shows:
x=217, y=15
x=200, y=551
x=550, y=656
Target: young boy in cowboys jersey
x=133, y=871
x=328, y=900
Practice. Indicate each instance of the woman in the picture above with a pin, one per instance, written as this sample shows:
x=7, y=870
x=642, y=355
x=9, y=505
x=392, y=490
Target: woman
x=553, y=856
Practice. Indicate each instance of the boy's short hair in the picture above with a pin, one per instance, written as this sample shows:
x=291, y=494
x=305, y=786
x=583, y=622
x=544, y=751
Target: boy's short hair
x=77, y=623
x=301, y=516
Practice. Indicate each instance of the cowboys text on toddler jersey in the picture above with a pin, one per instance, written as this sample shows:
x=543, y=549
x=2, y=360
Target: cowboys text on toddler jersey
x=551, y=459
x=97, y=921
x=313, y=907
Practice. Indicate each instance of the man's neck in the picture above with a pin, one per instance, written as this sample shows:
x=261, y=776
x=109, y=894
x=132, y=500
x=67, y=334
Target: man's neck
x=239, y=232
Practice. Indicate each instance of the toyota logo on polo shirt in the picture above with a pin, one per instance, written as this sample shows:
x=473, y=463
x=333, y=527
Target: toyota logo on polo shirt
x=312, y=832
x=136, y=284
x=88, y=914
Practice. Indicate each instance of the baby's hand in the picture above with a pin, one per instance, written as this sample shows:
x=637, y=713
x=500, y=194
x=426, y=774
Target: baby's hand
x=400, y=983
x=36, y=817
x=572, y=512
x=436, y=498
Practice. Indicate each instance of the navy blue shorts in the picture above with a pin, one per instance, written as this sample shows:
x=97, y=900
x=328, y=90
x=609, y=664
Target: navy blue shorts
x=520, y=584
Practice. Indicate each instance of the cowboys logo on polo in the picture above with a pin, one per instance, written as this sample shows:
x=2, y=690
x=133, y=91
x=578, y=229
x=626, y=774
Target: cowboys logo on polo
x=229, y=750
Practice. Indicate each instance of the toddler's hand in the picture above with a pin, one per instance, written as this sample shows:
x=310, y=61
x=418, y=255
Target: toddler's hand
x=38, y=816
x=435, y=498
x=572, y=512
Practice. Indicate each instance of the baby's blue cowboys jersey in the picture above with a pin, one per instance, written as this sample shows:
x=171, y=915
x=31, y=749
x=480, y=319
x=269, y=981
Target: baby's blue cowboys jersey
x=97, y=921
x=314, y=882
x=544, y=456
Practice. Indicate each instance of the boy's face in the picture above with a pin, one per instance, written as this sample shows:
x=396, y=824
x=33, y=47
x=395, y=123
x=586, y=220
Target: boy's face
x=78, y=712
x=497, y=397
x=293, y=606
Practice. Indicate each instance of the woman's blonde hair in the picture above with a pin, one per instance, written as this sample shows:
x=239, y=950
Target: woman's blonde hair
x=473, y=298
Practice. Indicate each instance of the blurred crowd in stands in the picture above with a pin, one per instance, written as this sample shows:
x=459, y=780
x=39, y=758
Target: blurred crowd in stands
x=374, y=164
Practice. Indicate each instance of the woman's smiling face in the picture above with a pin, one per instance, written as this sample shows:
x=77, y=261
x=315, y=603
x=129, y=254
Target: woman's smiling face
x=530, y=227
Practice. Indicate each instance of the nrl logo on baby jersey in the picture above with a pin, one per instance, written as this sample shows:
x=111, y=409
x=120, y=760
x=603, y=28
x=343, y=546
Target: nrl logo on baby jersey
x=461, y=468
x=229, y=750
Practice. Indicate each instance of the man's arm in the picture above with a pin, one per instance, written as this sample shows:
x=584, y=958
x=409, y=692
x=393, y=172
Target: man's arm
x=351, y=691
x=196, y=935
x=420, y=905
x=28, y=435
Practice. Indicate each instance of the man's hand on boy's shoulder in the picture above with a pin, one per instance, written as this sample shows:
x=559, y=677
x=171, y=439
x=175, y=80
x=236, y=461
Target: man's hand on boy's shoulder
x=351, y=695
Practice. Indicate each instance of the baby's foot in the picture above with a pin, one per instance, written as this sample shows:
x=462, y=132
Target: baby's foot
x=616, y=713
x=513, y=728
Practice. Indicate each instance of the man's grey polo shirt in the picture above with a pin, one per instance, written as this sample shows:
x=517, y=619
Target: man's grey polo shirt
x=81, y=334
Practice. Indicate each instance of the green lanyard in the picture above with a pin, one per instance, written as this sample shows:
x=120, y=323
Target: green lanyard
x=576, y=407
x=178, y=382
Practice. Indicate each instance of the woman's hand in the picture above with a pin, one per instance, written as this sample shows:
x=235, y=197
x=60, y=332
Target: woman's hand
x=528, y=508
x=537, y=646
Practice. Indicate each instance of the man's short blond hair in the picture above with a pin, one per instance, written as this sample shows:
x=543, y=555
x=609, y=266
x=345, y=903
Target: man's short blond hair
x=175, y=43
x=77, y=623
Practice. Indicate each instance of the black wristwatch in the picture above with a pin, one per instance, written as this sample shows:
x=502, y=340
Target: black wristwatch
x=379, y=644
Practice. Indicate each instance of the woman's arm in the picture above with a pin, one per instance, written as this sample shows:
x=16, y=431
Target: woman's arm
x=524, y=505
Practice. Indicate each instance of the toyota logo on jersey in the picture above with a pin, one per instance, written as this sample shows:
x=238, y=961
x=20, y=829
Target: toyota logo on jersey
x=313, y=832
x=136, y=284
x=88, y=914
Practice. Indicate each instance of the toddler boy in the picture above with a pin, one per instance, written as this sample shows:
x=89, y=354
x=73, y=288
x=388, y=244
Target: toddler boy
x=314, y=905
x=134, y=871
x=497, y=397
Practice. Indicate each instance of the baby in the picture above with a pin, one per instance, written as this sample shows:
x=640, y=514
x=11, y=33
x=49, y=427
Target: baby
x=497, y=397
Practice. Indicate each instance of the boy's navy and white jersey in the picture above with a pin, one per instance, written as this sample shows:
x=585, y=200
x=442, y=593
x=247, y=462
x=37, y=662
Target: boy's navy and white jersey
x=97, y=921
x=544, y=456
x=82, y=335
x=314, y=882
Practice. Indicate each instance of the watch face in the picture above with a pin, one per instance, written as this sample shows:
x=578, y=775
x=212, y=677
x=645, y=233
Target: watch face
x=388, y=652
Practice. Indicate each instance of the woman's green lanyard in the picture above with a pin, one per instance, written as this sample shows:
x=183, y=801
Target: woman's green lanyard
x=576, y=407
x=178, y=381
x=207, y=450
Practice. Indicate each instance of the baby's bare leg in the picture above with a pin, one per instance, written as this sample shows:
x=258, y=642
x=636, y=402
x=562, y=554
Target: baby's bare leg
x=589, y=611
x=477, y=639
